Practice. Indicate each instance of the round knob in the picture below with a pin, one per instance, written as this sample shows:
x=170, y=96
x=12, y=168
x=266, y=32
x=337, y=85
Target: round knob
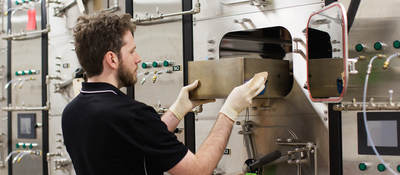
x=378, y=45
x=362, y=166
x=359, y=47
x=396, y=44
x=381, y=167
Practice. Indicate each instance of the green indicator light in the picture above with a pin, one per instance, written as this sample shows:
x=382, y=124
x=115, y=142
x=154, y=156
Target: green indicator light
x=359, y=47
x=166, y=63
x=30, y=146
x=16, y=73
x=378, y=45
x=381, y=167
x=398, y=168
x=396, y=44
x=155, y=64
x=362, y=166
x=30, y=72
x=144, y=65
x=23, y=145
x=17, y=145
x=16, y=3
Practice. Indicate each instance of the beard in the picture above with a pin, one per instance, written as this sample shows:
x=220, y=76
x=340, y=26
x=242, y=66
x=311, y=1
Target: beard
x=125, y=77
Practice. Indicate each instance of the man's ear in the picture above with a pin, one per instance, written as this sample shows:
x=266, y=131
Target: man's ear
x=111, y=60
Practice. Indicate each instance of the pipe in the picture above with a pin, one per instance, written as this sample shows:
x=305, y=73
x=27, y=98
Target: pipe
x=113, y=8
x=194, y=10
x=387, y=62
x=11, y=154
x=25, y=34
x=41, y=108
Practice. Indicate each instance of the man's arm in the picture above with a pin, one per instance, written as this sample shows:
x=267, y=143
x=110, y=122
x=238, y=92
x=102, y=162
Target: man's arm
x=170, y=120
x=210, y=152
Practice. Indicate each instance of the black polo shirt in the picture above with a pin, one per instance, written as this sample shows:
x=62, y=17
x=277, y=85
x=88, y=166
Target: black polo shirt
x=106, y=132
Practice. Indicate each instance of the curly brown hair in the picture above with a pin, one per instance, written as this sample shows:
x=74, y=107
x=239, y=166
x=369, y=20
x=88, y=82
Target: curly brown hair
x=96, y=35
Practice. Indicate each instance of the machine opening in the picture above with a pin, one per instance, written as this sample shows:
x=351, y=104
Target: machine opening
x=263, y=50
x=271, y=43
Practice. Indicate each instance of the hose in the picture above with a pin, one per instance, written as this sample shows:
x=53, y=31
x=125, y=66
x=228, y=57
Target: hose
x=365, y=118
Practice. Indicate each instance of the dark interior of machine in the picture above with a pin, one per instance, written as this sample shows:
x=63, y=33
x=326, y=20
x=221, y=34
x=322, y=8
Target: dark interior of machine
x=319, y=44
x=272, y=43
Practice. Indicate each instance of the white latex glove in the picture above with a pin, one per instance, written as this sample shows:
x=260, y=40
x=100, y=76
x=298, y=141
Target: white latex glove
x=241, y=97
x=183, y=104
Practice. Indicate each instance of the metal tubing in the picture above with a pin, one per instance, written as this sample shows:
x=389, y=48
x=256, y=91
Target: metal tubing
x=25, y=34
x=194, y=10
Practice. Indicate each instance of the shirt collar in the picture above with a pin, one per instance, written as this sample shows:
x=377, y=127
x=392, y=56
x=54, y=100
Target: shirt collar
x=100, y=86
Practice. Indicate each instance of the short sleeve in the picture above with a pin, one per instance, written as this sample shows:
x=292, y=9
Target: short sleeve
x=145, y=131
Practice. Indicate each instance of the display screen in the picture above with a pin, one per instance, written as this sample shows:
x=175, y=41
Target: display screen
x=384, y=128
x=383, y=133
x=26, y=126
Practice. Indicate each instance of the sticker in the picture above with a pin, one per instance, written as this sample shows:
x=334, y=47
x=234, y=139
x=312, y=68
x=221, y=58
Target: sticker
x=176, y=68
x=227, y=151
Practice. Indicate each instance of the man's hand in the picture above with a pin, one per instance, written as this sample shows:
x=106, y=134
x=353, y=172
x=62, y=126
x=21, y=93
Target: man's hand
x=242, y=96
x=183, y=104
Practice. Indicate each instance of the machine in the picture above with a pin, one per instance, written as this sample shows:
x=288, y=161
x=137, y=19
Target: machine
x=331, y=65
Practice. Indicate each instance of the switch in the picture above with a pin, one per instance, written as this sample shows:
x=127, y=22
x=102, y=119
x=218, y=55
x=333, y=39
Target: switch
x=381, y=167
x=362, y=166
x=146, y=65
x=359, y=47
x=396, y=44
x=156, y=64
x=378, y=45
x=167, y=63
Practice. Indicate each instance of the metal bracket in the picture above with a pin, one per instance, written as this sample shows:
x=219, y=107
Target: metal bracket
x=301, y=154
x=60, y=11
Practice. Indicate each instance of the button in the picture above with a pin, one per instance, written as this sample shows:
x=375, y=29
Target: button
x=156, y=64
x=146, y=65
x=359, y=47
x=378, y=45
x=396, y=44
x=381, y=167
x=362, y=166
x=398, y=168
x=167, y=63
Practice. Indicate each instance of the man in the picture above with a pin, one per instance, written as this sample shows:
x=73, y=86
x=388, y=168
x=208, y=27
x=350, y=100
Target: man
x=106, y=132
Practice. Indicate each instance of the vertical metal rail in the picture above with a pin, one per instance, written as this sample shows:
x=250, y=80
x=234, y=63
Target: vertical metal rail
x=335, y=141
x=45, y=72
x=187, y=30
x=9, y=113
x=130, y=91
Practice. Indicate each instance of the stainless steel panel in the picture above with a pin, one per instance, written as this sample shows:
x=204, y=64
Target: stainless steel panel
x=218, y=77
x=375, y=21
x=274, y=116
x=323, y=76
x=351, y=158
x=367, y=31
x=159, y=42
